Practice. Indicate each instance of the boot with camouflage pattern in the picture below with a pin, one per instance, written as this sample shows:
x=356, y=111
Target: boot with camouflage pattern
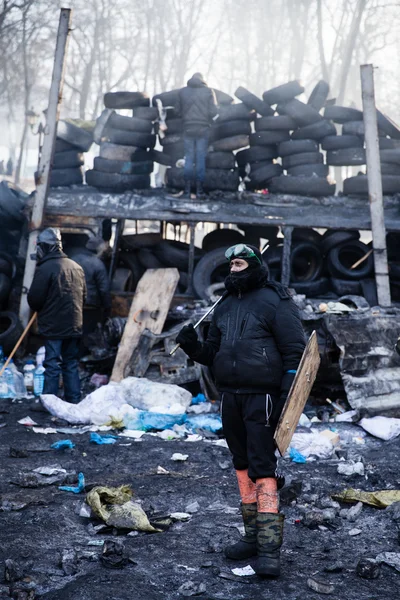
x=269, y=542
x=246, y=547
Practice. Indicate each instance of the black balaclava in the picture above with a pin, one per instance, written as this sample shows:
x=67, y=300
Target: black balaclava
x=49, y=240
x=254, y=276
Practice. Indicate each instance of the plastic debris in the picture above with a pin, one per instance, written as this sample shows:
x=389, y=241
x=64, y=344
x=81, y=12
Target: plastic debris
x=384, y=428
x=45, y=430
x=351, y=468
x=50, y=470
x=114, y=554
x=74, y=489
x=132, y=433
x=368, y=568
x=296, y=456
x=97, y=379
x=193, y=507
x=27, y=421
x=95, y=438
x=354, y=512
x=179, y=457
x=190, y=588
x=199, y=399
x=162, y=471
x=347, y=417
x=379, y=499
x=195, y=437
x=180, y=516
x=208, y=422
x=354, y=532
x=244, y=571
x=115, y=507
x=62, y=445
x=69, y=561
x=320, y=586
x=312, y=444
x=390, y=558
x=168, y=434
x=304, y=421
x=148, y=421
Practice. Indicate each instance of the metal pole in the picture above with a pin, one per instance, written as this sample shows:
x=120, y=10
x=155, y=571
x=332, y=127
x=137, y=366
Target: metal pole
x=375, y=186
x=192, y=249
x=46, y=158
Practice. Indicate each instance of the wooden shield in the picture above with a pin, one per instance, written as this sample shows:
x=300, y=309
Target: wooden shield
x=298, y=394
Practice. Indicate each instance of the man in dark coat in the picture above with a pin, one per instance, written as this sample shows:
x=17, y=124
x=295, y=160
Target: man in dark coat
x=58, y=293
x=254, y=346
x=197, y=106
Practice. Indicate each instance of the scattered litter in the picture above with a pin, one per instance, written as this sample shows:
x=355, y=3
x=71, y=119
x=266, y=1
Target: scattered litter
x=296, y=456
x=194, y=437
x=390, y=558
x=347, y=417
x=62, y=445
x=44, y=430
x=190, y=588
x=368, y=568
x=179, y=457
x=320, y=587
x=115, y=507
x=114, y=554
x=11, y=505
x=304, y=421
x=379, y=499
x=354, y=532
x=312, y=444
x=18, y=453
x=85, y=511
x=75, y=489
x=221, y=443
x=50, y=470
x=150, y=421
x=35, y=480
x=168, y=434
x=200, y=409
x=132, y=433
x=315, y=517
x=69, y=561
x=332, y=436
x=223, y=508
x=211, y=423
x=224, y=465
x=199, y=399
x=95, y=542
x=27, y=421
x=162, y=471
x=384, y=428
x=231, y=577
x=354, y=512
x=95, y=438
x=351, y=468
x=193, y=507
x=244, y=571
x=98, y=380
x=180, y=516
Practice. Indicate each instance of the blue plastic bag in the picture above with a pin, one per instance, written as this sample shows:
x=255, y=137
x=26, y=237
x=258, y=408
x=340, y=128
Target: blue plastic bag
x=199, y=399
x=297, y=456
x=102, y=439
x=74, y=489
x=62, y=445
x=208, y=422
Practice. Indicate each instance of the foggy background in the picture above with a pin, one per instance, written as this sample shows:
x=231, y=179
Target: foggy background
x=154, y=45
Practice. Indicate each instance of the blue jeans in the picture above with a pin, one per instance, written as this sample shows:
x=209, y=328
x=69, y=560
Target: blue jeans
x=62, y=357
x=195, y=152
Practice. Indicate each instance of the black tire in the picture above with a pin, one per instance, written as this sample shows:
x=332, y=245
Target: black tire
x=215, y=179
x=303, y=158
x=129, y=124
x=390, y=169
x=303, y=114
x=148, y=259
x=101, y=124
x=319, y=95
x=359, y=185
x=283, y=93
x=62, y=146
x=130, y=243
x=235, y=112
x=260, y=177
x=312, y=289
x=66, y=177
x=357, y=128
x=175, y=254
x=339, y=142
x=147, y=113
x=393, y=245
x=174, y=127
x=118, y=152
x=255, y=232
x=10, y=330
x=387, y=144
x=342, y=257
x=301, y=186
x=345, y=287
x=306, y=262
x=268, y=138
x=74, y=135
x=68, y=159
x=297, y=146
x=221, y=238
x=346, y=157
x=222, y=97
x=303, y=234
x=342, y=114
x=230, y=144
x=114, y=182
x=123, y=167
x=309, y=170
x=275, y=123
x=131, y=138
x=394, y=271
x=316, y=131
x=230, y=129
x=126, y=99
x=212, y=268
x=256, y=154
x=7, y=265
x=220, y=160
x=171, y=140
x=335, y=237
x=5, y=288
x=175, y=151
x=253, y=102
x=369, y=291
x=388, y=126
x=390, y=156
x=122, y=280
x=163, y=158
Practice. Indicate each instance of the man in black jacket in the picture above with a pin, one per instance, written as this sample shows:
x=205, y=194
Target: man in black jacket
x=254, y=345
x=58, y=293
x=197, y=106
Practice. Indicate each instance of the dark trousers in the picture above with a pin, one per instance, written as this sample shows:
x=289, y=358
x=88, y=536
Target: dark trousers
x=195, y=152
x=249, y=422
x=62, y=357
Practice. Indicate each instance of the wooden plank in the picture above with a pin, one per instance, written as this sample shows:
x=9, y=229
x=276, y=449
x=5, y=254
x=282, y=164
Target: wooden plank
x=298, y=394
x=148, y=310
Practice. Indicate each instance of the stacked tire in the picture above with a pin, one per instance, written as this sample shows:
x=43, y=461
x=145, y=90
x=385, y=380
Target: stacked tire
x=71, y=142
x=126, y=144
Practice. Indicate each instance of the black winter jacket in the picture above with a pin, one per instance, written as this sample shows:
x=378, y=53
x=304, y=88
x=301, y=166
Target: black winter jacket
x=58, y=293
x=97, y=284
x=197, y=106
x=253, y=341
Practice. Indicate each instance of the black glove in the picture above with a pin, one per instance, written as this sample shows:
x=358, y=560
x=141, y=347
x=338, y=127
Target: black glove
x=188, y=340
x=286, y=384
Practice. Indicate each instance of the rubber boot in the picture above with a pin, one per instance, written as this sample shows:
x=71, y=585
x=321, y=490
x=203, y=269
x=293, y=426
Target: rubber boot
x=246, y=547
x=199, y=190
x=188, y=188
x=269, y=542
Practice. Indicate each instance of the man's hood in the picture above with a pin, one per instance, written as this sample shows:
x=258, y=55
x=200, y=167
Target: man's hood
x=197, y=80
x=50, y=255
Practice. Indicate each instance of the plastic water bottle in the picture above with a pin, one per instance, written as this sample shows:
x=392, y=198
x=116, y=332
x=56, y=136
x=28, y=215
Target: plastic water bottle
x=9, y=381
x=38, y=380
x=19, y=383
x=29, y=370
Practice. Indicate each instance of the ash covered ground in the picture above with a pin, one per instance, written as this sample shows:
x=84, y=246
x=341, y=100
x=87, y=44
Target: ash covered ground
x=40, y=525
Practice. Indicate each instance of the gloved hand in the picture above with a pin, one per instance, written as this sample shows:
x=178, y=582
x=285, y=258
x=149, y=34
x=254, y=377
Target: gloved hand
x=286, y=384
x=397, y=346
x=188, y=340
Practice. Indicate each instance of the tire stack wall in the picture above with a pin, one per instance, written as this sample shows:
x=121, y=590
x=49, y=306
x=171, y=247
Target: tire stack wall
x=71, y=142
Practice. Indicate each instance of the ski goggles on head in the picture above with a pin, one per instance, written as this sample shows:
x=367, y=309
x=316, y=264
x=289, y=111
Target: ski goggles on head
x=240, y=251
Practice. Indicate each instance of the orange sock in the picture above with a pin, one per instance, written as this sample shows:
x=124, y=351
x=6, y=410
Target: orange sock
x=247, y=488
x=267, y=495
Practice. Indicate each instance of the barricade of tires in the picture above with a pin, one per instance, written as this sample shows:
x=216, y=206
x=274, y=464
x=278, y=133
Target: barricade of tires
x=71, y=142
x=126, y=143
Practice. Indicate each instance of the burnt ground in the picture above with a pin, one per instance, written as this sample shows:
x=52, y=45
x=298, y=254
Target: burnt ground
x=34, y=536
